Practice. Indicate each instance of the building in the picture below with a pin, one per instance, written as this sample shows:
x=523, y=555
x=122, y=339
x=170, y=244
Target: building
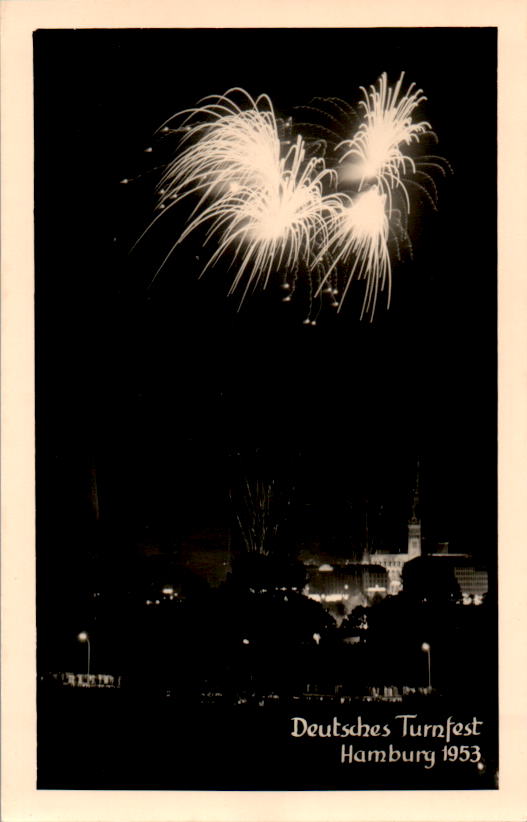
x=462, y=571
x=348, y=584
x=343, y=585
x=473, y=581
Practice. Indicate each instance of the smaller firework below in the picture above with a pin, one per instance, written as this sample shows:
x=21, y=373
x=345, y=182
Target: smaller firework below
x=359, y=238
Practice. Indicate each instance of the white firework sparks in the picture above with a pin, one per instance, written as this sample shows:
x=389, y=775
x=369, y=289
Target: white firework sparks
x=374, y=154
x=269, y=211
x=359, y=239
x=275, y=224
x=268, y=206
x=230, y=147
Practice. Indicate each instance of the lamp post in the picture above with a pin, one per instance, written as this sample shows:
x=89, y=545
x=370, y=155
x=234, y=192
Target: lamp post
x=83, y=637
x=426, y=648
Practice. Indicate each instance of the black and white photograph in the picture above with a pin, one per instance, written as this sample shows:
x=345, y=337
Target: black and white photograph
x=266, y=409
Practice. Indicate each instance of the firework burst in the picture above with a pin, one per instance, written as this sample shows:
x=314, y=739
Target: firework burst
x=269, y=211
x=358, y=241
x=268, y=204
x=375, y=153
x=274, y=225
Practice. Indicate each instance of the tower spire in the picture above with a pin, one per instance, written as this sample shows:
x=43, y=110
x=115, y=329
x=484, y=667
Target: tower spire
x=366, y=535
x=414, y=523
x=416, y=494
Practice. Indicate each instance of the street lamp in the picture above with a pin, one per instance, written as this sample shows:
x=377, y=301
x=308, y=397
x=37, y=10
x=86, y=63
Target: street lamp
x=83, y=637
x=426, y=648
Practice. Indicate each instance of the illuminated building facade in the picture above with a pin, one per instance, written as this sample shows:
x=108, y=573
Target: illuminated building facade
x=349, y=584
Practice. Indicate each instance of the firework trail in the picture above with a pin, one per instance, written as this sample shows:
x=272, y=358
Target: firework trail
x=260, y=509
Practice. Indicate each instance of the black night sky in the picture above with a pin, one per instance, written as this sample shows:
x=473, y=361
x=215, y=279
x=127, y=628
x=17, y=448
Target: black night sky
x=156, y=387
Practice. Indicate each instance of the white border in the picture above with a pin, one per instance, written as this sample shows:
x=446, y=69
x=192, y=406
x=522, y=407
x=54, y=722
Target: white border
x=18, y=18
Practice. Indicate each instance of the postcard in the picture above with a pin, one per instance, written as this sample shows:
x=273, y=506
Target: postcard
x=268, y=564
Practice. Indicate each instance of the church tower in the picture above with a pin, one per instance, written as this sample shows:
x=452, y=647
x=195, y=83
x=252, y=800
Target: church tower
x=414, y=523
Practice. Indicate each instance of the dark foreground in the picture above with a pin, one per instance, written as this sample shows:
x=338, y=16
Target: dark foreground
x=120, y=739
